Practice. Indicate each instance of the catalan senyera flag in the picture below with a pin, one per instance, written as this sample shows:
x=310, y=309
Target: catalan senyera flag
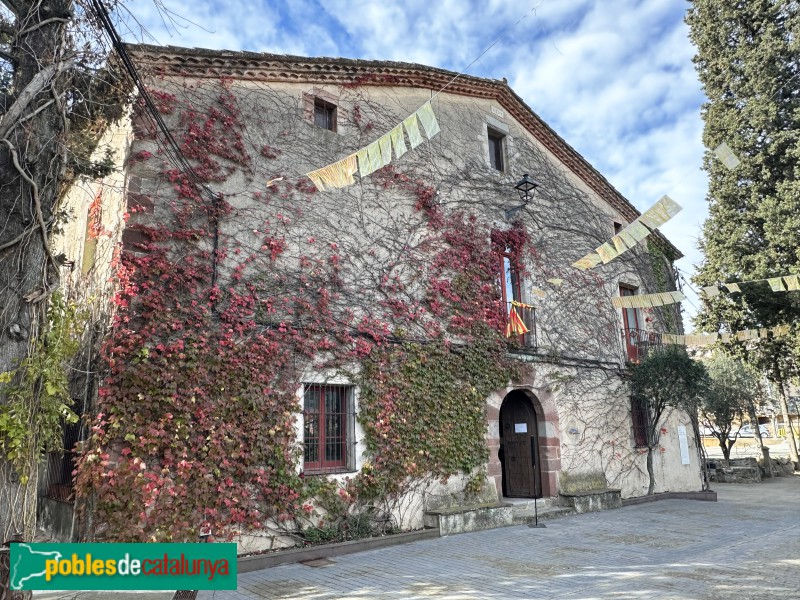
x=515, y=325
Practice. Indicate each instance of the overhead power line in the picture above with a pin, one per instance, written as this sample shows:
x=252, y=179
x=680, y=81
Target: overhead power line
x=172, y=149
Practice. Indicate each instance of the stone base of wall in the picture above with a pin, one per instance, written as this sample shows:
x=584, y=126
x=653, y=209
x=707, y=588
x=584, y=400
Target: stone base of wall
x=781, y=467
x=704, y=496
x=738, y=475
x=592, y=501
x=257, y=562
x=463, y=519
x=747, y=470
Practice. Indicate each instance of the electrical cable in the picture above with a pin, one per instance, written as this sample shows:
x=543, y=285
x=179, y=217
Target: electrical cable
x=172, y=150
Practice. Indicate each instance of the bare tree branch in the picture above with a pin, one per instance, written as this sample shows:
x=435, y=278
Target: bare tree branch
x=37, y=84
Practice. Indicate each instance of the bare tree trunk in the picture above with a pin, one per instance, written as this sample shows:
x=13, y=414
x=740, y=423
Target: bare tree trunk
x=787, y=426
x=32, y=169
x=650, y=472
x=751, y=413
x=725, y=444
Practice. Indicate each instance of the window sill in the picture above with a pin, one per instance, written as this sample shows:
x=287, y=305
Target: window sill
x=329, y=471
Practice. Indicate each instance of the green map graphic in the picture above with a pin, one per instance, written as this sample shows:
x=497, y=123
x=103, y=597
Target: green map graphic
x=29, y=564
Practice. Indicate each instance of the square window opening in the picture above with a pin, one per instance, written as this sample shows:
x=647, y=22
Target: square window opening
x=324, y=114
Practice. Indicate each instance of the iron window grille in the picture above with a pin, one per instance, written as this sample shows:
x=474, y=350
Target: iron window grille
x=328, y=428
x=59, y=482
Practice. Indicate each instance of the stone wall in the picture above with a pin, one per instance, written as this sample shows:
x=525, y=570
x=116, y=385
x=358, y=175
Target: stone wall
x=572, y=378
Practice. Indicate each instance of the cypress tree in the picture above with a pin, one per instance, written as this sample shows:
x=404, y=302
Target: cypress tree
x=748, y=60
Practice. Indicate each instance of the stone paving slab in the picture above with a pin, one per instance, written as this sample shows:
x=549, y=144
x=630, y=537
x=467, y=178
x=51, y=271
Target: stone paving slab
x=745, y=546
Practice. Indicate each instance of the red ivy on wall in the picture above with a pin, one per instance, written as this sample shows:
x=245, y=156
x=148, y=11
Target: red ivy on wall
x=195, y=423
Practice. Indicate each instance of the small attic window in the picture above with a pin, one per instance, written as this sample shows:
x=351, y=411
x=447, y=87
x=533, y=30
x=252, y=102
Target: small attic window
x=324, y=114
x=617, y=228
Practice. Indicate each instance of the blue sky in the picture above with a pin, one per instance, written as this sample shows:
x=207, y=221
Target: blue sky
x=614, y=78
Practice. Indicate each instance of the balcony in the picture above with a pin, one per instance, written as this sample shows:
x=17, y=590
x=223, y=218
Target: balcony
x=527, y=314
x=639, y=343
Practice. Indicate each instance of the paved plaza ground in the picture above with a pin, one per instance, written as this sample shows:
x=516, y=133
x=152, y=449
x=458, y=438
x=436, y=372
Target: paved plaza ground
x=746, y=546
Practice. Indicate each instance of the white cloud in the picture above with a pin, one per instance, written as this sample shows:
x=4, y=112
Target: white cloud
x=614, y=79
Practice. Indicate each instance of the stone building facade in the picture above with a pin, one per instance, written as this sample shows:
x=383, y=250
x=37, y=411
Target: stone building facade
x=568, y=416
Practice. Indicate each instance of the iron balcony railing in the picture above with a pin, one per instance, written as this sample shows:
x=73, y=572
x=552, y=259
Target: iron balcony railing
x=527, y=315
x=639, y=343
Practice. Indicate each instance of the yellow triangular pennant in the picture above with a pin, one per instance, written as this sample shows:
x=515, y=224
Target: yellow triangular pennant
x=792, y=282
x=428, y=119
x=412, y=129
x=398, y=141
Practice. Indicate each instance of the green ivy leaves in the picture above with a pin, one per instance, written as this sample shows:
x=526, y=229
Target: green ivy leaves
x=37, y=392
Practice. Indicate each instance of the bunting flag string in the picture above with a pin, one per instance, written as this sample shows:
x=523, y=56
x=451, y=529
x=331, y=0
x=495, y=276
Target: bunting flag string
x=661, y=212
x=655, y=216
x=783, y=283
x=378, y=154
x=724, y=153
x=428, y=120
x=374, y=157
x=588, y=261
x=398, y=141
x=776, y=284
x=647, y=300
x=707, y=339
x=555, y=281
x=412, y=129
x=338, y=175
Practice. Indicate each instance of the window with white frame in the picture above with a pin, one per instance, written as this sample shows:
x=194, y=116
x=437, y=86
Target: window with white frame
x=328, y=428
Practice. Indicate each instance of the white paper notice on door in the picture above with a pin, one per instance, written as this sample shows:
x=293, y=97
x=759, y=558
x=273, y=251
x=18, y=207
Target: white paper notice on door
x=683, y=444
x=520, y=428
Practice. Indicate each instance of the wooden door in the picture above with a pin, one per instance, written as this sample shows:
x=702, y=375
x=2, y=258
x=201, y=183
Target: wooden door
x=520, y=448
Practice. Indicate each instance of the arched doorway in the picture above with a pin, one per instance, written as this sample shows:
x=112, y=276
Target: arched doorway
x=519, y=447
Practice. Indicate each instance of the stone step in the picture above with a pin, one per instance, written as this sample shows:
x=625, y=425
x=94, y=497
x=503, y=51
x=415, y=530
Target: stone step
x=528, y=515
x=593, y=501
x=528, y=503
x=462, y=519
